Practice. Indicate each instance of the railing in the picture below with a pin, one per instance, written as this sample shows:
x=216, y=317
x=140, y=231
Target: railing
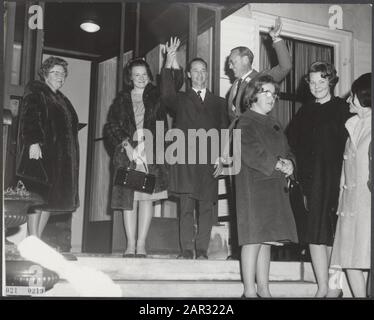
x=7, y=122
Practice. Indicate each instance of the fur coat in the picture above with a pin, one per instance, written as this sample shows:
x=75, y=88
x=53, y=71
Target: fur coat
x=121, y=125
x=49, y=119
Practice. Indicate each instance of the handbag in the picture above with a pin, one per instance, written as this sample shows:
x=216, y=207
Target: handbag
x=135, y=180
x=32, y=169
x=298, y=206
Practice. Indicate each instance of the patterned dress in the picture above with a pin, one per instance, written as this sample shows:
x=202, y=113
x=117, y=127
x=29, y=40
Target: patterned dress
x=141, y=161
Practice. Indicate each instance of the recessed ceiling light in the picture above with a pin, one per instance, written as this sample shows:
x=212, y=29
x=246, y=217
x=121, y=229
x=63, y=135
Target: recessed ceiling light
x=90, y=26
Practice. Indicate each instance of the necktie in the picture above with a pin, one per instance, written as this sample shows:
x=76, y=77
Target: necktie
x=199, y=95
x=237, y=91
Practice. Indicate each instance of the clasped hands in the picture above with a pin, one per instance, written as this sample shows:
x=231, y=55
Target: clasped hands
x=285, y=166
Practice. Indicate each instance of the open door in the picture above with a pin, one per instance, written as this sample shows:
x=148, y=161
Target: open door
x=97, y=232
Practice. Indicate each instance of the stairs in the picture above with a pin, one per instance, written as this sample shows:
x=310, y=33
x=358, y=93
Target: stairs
x=165, y=277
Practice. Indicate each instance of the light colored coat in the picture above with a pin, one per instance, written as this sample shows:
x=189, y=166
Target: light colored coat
x=352, y=239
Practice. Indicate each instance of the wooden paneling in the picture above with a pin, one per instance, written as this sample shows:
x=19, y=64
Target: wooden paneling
x=362, y=57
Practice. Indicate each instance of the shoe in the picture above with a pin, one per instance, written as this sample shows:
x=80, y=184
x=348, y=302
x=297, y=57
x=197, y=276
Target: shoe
x=69, y=256
x=140, y=255
x=186, y=254
x=233, y=257
x=201, y=255
x=243, y=297
x=128, y=255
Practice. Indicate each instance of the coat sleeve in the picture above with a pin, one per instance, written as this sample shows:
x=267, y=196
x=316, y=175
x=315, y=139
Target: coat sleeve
x=280, y=71
x=114, y=129
x=254, y=153
x=224, y=114
x=293, y=131
x=170, y=81
x=33, y=120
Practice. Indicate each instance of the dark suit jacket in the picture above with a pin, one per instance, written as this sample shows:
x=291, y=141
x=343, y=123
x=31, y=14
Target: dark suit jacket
x=279, y=72
x=189, y=113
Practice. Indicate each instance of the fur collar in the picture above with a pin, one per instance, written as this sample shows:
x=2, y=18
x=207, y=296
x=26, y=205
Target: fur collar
x=37, y=86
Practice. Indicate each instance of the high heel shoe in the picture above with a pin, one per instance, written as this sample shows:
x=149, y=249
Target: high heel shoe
x=243, y=297
x=128, y=255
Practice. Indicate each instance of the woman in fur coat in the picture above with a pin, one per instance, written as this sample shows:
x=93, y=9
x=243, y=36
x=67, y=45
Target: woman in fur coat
x=135, y=108
x=48, y=149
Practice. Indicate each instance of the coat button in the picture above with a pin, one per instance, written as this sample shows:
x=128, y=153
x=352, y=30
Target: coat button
x=345, y=157
x=345, y=187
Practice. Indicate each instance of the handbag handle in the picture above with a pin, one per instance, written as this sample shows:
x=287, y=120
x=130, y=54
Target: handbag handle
x=144, y=165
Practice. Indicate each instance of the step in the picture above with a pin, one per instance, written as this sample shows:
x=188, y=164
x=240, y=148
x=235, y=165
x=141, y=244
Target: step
x=193, y=289
x=156, y=268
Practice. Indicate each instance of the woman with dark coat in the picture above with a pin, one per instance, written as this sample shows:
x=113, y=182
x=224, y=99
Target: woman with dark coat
x=317, y=137
x=135, y=108
x=48, y=140
x=264, y=215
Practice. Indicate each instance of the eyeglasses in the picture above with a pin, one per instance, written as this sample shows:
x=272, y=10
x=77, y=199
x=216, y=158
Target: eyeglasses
x=269, y=94
x=58, y=74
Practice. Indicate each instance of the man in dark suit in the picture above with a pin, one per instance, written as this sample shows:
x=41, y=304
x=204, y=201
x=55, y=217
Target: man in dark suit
x=240, y=61
x=194, y=184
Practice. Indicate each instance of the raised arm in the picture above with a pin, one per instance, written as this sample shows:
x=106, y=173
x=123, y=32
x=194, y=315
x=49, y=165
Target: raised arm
x=171, y=76
x=280, y=71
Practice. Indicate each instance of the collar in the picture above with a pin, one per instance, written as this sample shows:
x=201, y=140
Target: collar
x=202, y=92
x=246, y=75
x=352, y=122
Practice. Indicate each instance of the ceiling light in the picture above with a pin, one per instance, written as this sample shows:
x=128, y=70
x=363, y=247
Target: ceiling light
x=90, y=26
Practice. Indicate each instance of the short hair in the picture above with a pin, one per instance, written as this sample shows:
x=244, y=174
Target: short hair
x=361, y=88
x=244, y=51
x=137, y=62
x=254, y=87
x=49, y=63
x=196, y=60
x=327, y=70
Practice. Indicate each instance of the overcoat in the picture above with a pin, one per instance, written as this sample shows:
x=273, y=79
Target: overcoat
x=49, y=119
x=263, y=211
x=121, y=125
x=191, y=114
x=317, y=136
x=353, y=233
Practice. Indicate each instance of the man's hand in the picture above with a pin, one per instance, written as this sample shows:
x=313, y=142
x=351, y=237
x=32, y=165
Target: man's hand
x=276, y=29
x=35, y=152
x=171, y=50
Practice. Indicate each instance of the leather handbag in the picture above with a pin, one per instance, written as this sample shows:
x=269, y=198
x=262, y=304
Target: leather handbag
x=298, y=206
x=32, y=169
x=135, y=180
